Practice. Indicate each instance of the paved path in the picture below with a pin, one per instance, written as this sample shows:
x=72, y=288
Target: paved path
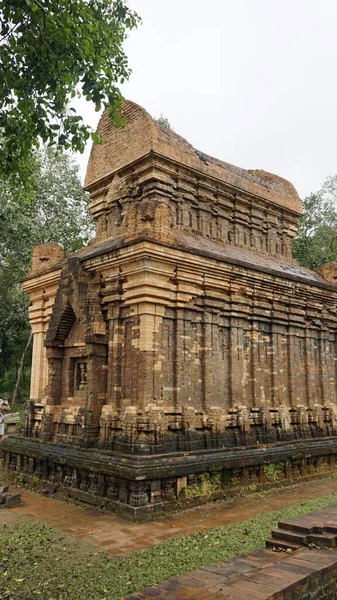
x=118, y=536
x=259, y=575
x=264, y=574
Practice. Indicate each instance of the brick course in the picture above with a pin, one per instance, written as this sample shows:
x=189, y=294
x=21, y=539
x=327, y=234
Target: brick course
x=186, y=327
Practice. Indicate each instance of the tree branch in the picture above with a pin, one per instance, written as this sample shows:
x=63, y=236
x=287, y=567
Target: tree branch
x=22, y=360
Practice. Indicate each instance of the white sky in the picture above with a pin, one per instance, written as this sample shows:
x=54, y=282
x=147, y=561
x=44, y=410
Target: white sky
x=251, y=82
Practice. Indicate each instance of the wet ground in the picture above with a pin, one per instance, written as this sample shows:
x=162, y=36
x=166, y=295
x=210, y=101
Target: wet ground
x=113, y=534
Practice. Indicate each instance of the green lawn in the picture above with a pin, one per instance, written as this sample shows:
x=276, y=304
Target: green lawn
x=37, y=560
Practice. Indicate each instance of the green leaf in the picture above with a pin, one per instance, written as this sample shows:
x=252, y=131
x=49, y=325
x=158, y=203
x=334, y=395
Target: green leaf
x=96, y=138
x=50, y=52
x=54, y=209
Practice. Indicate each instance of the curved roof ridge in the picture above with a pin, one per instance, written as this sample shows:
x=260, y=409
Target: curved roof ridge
x=142, y=134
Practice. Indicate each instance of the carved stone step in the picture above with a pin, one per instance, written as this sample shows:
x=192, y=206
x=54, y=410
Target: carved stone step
x=322, y=539
x=281, y=544
x=290, y=536
x=281, y=538
x=304, y=528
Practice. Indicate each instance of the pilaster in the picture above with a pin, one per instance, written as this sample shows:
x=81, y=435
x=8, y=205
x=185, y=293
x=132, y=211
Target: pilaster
x=41, y=290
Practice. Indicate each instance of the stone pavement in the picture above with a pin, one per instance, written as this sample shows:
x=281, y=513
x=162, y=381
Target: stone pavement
x=265, y=574
x=260, y=575
x=113, y=534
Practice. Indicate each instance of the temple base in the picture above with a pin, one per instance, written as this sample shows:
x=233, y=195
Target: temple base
x=142, y=487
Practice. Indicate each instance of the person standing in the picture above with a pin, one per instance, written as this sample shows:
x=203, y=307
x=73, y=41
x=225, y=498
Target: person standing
x=4, y=406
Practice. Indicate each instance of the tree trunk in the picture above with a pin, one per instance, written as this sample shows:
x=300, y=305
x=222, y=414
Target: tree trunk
x=22, y=360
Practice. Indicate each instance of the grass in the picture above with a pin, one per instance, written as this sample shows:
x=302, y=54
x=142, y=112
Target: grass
x=39, y=561
x=272, y=471
x=205, y=486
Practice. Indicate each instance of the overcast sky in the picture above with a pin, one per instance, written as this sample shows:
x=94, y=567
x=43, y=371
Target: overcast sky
x=251, y=82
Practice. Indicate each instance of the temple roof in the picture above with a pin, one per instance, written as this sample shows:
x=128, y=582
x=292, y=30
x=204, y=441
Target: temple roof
x=142, y=134
x=222, y=252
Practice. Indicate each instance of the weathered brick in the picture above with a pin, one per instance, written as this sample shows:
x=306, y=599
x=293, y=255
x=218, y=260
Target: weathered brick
x=185, y=327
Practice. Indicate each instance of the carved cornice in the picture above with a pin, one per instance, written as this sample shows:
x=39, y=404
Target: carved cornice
x=163, y=275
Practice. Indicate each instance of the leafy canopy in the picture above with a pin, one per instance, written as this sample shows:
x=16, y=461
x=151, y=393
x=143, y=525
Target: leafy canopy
x=51, y=51
x=57, y=211
x=316, y=241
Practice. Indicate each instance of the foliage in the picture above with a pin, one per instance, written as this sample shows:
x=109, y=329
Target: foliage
x=57, y=212
x=14, y=332
x=52, y=51
x=316, y=241
x=36, y=560
x=205, y=485
x=164, y=122
x=273, y=471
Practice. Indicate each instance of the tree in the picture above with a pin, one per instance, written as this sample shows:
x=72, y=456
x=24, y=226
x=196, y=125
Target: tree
x=164, y=122
x=58, y=211
x=316, y=241
x=51, y=51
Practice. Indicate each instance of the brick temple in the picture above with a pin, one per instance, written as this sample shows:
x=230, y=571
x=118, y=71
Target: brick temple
x=183, y=345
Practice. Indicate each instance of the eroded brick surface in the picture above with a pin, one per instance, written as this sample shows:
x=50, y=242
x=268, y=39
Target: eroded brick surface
x=185, y=328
